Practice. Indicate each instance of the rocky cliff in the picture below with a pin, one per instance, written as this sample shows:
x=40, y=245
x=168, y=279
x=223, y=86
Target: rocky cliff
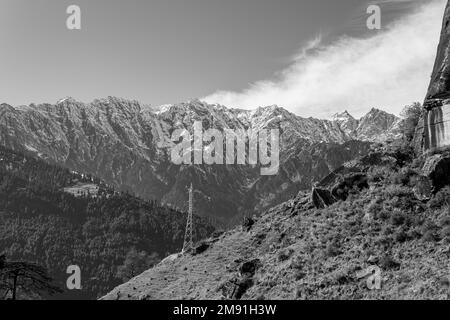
x=433, y=132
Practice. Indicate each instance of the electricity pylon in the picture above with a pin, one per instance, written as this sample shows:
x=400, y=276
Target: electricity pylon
x=188, y=244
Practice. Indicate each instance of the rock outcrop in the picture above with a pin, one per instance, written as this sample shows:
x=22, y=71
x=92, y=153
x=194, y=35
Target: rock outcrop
x=433, y=132
x=322, y=198
x=437, y=169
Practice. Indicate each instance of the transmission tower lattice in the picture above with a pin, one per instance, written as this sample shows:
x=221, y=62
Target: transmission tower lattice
x=188, y=242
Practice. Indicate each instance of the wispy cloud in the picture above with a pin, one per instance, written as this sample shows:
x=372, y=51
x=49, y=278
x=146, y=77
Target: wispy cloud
x=387, y=70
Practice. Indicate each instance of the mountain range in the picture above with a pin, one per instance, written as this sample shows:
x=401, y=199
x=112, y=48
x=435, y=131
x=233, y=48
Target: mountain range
x=128, y=144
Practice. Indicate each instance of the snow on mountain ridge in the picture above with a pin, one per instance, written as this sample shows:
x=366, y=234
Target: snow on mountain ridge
x=376, y=125
x=128, y=145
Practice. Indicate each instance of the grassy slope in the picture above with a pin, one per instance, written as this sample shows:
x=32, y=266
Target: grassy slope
x=307, y=253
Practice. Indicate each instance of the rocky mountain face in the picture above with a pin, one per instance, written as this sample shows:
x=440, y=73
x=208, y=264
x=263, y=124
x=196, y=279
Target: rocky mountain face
x=128, y=145
x=377, y=126
x=433, y=130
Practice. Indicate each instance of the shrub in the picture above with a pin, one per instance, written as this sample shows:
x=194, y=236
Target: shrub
x=342, y=278
x=403, y=154
x=299, y=275
x=378, y=174
x=383, y=215
x=374, y=207
x=217, y=233
x=429, y=226
x=411, y=115
x=248, y=223
x=414, y=234
x=392, y=191
x=429, y=236
x=401, y=236
x=285, y=254
x=403, y=177
x=398, y=218
x=387, y=231
x=385, y=242
x=298, y=264
x=445, y=221
x=332, y=249
x=418, y=163
x=445, y=232
x=441, y=199
x=388, y=263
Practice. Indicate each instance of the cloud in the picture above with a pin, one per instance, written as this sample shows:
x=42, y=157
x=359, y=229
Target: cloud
x=387, y=70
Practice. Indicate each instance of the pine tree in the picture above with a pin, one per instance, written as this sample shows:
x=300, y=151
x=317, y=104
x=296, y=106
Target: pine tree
x=28, y=277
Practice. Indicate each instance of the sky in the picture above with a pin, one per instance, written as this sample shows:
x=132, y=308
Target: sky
x=312, y=57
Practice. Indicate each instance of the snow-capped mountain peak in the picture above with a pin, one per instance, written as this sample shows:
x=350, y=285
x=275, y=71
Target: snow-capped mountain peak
x=128, y=145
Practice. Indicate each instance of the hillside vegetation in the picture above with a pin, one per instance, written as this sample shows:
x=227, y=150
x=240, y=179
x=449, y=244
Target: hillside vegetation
x=296, y=251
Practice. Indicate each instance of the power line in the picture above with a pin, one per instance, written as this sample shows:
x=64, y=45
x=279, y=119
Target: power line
x=188, y=244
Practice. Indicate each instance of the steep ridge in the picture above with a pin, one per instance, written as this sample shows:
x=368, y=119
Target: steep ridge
x=128, y=145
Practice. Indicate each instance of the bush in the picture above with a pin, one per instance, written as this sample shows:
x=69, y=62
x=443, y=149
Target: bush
x=414, y=234
x=445, y=221
x=388, y=263
x=217, y=234
x=429, y=236
x=248, y=223
x=285, y=254
x=383, y=215
x=392, y=191
x=378, y=174
x=441, y=199
x=374, y=207
x=333, y=249
x=445, y=232
x=385, y=242
x=398, y=218
x=403, y=177
x=401, y=236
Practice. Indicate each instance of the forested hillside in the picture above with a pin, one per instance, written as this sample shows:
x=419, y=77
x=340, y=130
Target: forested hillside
x=48, y=217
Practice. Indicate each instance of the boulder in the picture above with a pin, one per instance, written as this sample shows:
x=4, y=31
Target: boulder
x=235, y=288
x=202, y=247
x=322, y=198
x=248, y=268
x=437, y=169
